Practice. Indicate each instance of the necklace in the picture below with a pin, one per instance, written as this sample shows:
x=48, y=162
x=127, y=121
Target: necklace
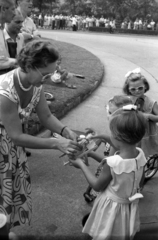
x=20, y=84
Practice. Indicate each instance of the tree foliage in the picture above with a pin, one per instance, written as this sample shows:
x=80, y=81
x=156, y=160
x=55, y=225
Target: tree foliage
x=108, y=8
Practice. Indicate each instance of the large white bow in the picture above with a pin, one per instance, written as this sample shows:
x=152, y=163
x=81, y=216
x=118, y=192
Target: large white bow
x=129, y=107
x=137, y=70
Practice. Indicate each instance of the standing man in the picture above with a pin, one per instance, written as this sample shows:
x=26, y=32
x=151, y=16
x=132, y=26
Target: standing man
x=29, y=27
x=13, y=36
x=7, y=12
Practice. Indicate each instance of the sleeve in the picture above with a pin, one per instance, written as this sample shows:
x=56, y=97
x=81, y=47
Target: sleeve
x=35, y=32
x=6, y=63
x=6, y=89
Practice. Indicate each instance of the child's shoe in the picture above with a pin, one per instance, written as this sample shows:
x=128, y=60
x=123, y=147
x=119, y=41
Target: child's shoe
x=89, y=197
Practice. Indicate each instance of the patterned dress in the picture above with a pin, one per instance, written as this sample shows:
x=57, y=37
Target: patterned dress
x=15, y=184
x=115, y=213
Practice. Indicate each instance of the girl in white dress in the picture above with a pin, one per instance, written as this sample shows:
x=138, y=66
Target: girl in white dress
x=115, y=213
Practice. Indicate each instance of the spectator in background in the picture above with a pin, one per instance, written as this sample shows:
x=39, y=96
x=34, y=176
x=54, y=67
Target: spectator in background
x=80, y=25
x=102, y=21
x=149, y=26
x=60, y=21
x=74, y=23
x=13, y=37
x=129, y=25
x=40, y=20
x=7, y=13
x=93, y=21
x=140, y=24
x=29, y=28
x=97, y=22
x=46, y=21
x=145, y=25
x=87, y=22
x=152, y=24
x=157, y=26
x=53, y=22
x=123, y=25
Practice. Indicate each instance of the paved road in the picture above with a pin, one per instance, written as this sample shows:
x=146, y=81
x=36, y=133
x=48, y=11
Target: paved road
x=57, y=190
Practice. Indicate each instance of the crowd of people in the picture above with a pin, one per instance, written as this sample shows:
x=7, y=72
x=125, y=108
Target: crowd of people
x=140, y=24
x=67, y=22
x=27, y=61
x=59, y=21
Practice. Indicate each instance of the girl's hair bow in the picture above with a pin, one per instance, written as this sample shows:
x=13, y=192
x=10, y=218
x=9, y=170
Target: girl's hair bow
x=129, y=107
x=137, y=70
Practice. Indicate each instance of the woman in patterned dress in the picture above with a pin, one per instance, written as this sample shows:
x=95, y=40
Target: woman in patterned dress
x=21, y=92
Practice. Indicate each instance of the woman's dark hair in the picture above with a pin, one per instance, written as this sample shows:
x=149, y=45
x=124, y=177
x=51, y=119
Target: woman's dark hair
x=128, y=126
x=37, y=53
x=133, y=77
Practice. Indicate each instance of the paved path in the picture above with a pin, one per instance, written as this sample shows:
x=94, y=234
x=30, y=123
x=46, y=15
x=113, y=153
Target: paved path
x=57, y=190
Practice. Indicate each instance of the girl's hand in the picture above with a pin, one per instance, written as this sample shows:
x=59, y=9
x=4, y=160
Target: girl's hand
x=148, y=116
x=67, y=146
x=77, y=163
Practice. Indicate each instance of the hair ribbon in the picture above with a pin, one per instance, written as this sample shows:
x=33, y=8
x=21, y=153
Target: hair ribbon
x=137, y=70
x=129, y=107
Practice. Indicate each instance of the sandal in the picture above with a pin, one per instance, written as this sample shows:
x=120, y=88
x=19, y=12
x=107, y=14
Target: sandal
x=89, y=197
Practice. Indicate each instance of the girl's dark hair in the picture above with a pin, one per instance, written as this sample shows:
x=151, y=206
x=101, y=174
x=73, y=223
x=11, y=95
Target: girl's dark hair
x=128, y=126
x=37, y=53
x=133, y=77
x=120, y=100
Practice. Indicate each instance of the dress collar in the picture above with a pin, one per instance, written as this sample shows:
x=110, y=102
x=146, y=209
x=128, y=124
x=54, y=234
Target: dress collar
x=120, y=165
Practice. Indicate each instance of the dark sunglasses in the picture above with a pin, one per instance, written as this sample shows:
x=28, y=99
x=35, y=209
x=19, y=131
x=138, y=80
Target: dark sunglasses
x=137, y=89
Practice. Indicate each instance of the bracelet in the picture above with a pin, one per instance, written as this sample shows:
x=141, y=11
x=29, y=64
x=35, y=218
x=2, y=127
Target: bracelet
x=62, y=130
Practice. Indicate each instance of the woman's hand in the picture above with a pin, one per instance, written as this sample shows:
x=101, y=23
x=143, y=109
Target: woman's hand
x=69, y=134
x=67, y=146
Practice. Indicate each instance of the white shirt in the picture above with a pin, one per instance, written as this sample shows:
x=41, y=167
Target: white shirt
x=5, y=61
x=74, y=21
x=19, y=40
x=30, y=27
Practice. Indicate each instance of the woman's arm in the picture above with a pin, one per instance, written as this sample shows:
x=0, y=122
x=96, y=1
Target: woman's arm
x=51, y=122
x=13, y=126
x=98, y=184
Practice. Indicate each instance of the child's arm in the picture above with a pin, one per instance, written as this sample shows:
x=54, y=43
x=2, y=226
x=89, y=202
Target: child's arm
x=98, y=184
x=154, y=116
x=95, y=156
x=104, y=138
